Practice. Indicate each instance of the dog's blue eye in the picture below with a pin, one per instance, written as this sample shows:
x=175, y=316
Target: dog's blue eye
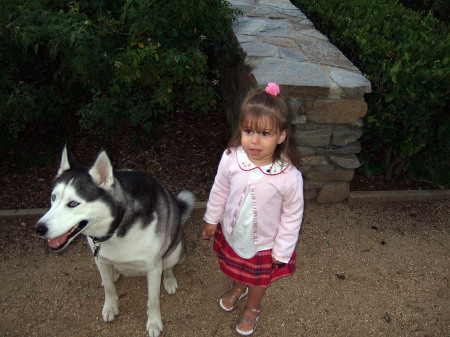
x=73, y=204
x=53, y=197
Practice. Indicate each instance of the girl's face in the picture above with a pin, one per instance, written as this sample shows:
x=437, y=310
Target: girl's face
x=259, y=139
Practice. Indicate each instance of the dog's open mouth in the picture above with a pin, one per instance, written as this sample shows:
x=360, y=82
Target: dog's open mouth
x=62, y=241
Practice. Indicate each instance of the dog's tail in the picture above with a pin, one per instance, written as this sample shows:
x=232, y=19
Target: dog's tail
x=186, y=201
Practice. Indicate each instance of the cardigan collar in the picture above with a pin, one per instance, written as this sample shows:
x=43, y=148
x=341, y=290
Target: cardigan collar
x=246, y=165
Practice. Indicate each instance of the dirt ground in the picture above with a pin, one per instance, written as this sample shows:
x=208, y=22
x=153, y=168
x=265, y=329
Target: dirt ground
x=378, y=269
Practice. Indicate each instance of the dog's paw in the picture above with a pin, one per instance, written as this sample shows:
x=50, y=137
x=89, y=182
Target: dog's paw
x=109, y=311
x=170, y=284
x=154, y=327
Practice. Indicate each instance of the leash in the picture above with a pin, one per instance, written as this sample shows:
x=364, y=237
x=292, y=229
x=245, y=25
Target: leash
x=97, y=241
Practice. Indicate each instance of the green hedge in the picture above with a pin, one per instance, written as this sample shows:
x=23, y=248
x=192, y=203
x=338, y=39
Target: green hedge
x=406, y=56
x=106, y=62
x=439, y=8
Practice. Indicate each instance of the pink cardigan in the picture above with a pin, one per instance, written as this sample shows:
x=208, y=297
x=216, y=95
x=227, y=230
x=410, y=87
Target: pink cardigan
x=277, y=203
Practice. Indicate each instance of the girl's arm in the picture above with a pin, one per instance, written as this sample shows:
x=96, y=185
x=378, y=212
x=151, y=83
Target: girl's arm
x=219, y=192
x=291, y=219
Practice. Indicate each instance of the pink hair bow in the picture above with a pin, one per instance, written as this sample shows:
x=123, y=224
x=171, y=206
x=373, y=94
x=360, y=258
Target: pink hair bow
x=273, y=89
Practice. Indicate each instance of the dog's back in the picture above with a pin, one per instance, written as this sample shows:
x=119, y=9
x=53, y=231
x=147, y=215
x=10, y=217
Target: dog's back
x=146, y=198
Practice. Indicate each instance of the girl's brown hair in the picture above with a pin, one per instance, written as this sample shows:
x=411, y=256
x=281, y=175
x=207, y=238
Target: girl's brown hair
x=257, y=105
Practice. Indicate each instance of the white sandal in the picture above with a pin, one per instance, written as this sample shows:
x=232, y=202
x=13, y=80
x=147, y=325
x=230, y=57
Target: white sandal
x=234, y=300
x=248, y=321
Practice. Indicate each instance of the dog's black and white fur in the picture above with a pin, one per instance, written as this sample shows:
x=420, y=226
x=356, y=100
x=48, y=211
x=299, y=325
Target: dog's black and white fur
x=132, y=224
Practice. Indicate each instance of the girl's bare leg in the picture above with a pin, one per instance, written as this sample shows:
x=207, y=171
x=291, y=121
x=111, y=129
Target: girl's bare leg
x=237, y=289
x=252, y=308
x=255, y=295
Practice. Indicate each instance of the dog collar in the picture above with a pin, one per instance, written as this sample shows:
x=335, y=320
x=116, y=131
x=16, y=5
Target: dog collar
x=103, y=238
x=97, y=241
x=116, y=224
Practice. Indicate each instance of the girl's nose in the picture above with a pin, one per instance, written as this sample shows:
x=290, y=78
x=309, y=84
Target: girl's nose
x=255, y=137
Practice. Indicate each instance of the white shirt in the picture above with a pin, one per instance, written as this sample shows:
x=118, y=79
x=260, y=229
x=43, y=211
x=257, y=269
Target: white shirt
x=241, y=240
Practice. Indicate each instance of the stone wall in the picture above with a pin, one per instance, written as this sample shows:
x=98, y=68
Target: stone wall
x=324, y=89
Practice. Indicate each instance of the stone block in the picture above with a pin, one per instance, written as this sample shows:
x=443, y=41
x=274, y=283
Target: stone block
x=304, y=168
x=297, y=120
x=308, y=184
x=328, y=173
x=305, y=151
x=314, y=160
x=309, y=194
x=295, y=105
x=351, y=81
x=259, y=49
x=262, y=26
x=305, y=92
x=344, y=111
x=359, y=123
x=319, y=51
x=311, y=32
x=292, y=54
x=314, y=138
x=347, y=161
x=242, y=38
x=344, y=135
x=280, y=42
x=288, y=72
x=333, y=192
x=354, y=147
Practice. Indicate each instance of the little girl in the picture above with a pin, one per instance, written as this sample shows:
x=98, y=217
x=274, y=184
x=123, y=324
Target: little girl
x=255, y=207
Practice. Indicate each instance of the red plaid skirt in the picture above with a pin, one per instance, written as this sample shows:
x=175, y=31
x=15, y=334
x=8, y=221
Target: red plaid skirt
x=257, y=271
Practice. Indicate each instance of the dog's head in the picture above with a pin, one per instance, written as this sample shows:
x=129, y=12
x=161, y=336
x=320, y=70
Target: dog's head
x=81, y=202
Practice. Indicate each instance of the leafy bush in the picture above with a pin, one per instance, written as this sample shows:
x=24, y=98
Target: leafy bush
x=106, y=62
x=406, y=56
x=439, y=8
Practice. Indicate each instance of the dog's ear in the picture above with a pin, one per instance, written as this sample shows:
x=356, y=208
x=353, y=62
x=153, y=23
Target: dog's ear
x=67, y=161
x=102, y=171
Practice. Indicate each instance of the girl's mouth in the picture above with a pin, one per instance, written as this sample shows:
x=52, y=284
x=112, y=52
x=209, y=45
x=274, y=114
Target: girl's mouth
x=255, y=152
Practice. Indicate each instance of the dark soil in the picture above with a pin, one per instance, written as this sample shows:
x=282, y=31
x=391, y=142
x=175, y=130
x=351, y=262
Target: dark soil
x=183, y=154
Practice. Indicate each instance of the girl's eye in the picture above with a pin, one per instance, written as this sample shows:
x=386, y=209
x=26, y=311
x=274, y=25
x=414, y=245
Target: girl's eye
x=73, y=204
x=248, y=131
x=53, y=197
x=265, y=133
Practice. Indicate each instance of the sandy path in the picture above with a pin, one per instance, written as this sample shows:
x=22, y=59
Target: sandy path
x=374, y=269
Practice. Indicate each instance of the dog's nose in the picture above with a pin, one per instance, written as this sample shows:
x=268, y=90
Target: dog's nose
x=41, y=229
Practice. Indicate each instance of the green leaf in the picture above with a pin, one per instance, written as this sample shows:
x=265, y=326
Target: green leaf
x=389, y=98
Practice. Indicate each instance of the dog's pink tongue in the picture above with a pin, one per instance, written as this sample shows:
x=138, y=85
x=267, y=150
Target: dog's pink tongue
x=56, y=242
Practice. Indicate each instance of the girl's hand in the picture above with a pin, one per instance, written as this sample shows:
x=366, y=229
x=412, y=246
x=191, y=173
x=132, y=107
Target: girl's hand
x=277, y=263
x=208, y=231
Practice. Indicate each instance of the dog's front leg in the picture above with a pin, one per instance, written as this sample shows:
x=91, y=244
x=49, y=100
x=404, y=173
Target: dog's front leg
x=111, y=307
x=154, y=321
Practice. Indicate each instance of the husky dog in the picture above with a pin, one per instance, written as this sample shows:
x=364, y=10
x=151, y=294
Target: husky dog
x=132, y=224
